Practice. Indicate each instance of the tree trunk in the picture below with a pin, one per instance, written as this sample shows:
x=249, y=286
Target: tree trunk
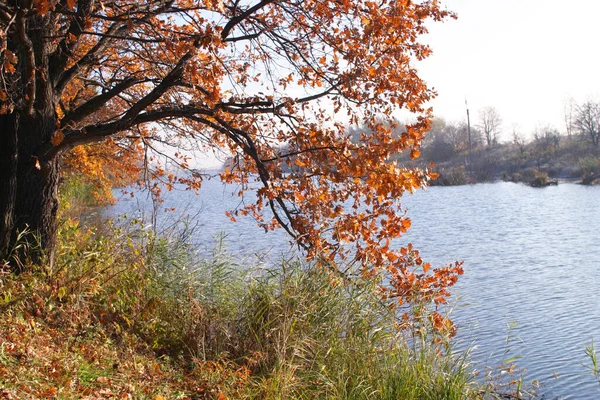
x=28, y=180
x=29, y=198
x=8, y=178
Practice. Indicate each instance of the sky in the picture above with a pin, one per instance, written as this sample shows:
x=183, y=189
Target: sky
x=523, y=57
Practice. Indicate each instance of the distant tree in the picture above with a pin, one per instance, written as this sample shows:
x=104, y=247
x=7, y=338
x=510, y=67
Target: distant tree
x=489, y=123
x=446, y=139
x=519, y=140
x=587, y=121
x=436, y=146
x=546, y=140
x=457, y=135
x=568, y=115
x=356, y=133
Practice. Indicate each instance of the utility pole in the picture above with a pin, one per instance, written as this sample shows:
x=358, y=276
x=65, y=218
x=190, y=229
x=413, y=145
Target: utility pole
x=469, y=130
x=469, y=164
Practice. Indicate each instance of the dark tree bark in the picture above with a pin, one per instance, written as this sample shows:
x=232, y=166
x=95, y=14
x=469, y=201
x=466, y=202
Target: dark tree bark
x=8, y=178
x=29, y=190
x=29, y=179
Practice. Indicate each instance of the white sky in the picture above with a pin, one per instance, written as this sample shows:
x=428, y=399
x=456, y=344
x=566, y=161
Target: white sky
x=523, y=57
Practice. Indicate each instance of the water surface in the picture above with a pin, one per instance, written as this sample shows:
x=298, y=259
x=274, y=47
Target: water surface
x=531, y=259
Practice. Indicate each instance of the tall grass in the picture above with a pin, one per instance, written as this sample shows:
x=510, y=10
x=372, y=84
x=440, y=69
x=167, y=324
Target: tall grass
x=318, y=337
x=290, y=332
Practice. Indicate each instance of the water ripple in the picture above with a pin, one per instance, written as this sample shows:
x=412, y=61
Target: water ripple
x=531, y=257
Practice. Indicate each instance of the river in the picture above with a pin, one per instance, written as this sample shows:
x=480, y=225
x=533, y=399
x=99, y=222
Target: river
x=531, y=260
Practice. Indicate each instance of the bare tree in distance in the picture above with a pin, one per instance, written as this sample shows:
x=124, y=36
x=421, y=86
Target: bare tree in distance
x=489, y=123
x=518, y=139
x=568, y=115
x=437, y=145
x=587, y=121
x=546, y=138
x=457, y=135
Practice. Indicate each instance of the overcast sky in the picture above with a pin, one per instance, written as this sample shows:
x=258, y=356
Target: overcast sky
x=523, y=57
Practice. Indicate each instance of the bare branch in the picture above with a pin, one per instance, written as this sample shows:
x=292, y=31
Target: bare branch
x=97, y=102
x=233, y=22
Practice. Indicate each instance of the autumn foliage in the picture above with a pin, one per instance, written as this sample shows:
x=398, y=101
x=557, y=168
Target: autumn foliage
x=273, y=83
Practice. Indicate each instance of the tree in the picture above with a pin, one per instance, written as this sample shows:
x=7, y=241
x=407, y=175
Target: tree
x=546, y=140
x=519, y=140
x=489, y=123
x=458, y=136
x=568, y=111
x=263, y=80
x=437, y=146
x=587, y=121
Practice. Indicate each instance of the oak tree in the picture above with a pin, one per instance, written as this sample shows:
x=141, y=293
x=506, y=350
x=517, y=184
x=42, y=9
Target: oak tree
x=265, y=80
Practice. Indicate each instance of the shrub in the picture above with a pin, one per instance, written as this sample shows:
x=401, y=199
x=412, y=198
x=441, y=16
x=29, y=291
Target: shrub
x=540, y=180
x=529, y=175
x=451, y=177
x=590, y=168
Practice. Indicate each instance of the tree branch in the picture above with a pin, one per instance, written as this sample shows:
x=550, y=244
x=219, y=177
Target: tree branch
x=244, y=37
x=233, y=22
x=30, y=75
x=64, y=50
x=97, y=102
x=62, y=78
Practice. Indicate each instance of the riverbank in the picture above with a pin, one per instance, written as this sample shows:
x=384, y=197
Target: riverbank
x=561, y=159
x=127, y=314
x=151, y=322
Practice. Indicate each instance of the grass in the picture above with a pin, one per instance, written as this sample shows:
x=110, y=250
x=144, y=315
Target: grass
x=594, y=367
x=127, y=314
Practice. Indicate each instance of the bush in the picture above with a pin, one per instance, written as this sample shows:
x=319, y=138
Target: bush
x=590, y=168
x=451, y=177
x=529, y=175
x=540, y=180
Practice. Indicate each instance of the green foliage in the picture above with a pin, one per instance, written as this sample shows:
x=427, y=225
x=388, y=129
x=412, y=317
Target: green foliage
x=594, y=368
x=75, y=192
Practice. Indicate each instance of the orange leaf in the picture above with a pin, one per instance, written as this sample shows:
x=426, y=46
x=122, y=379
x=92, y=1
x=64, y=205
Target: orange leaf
x=57, y=138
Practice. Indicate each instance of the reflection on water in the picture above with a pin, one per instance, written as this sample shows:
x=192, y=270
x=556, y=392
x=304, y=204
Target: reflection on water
x=532, y=256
